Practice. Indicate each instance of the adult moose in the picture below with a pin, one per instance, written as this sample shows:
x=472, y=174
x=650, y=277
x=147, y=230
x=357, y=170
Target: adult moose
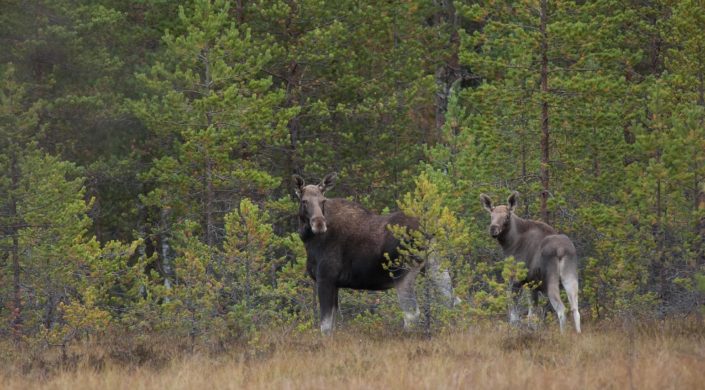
x=346, y=246
x=550, y=257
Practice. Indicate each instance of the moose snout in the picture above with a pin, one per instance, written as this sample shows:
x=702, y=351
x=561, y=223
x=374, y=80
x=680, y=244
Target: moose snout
x=318, y=225
x=495, y=230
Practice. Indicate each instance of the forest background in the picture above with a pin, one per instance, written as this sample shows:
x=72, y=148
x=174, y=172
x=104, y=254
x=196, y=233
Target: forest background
x=147, y=148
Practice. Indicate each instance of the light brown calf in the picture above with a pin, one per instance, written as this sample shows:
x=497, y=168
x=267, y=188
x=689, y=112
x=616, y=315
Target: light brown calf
x=550, y=257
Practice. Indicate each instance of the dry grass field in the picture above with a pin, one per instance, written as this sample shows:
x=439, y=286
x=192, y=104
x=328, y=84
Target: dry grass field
x=654, y=356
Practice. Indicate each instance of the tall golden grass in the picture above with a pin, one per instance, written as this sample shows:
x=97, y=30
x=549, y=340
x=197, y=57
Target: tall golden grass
x=660, y=355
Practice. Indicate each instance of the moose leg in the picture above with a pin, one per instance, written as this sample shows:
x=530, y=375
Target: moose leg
x=514, y=298
x=407, y=297
x=570, y=284
x=336, y=309
x=568, y=268
x=554, y=295
x=328, y=298
x=441, y=281
x=533, y=302
x=534, y=315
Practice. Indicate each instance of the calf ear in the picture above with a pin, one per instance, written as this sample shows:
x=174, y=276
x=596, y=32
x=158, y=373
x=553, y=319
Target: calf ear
x=298, y=184
x=486, y=202
x=512, y=200
x=328, y=182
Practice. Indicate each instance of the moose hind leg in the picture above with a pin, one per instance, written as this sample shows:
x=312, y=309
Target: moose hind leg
x=406, y=293
x=533, y=303
x=570, y=284
x=441, y=281
x=515, y=296
x=554, y=295
x=328, y=298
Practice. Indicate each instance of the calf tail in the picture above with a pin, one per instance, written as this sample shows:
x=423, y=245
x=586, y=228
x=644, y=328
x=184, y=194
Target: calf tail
x=560, y=253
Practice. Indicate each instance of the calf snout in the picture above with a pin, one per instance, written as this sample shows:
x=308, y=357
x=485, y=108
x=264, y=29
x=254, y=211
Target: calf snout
x=318, y=225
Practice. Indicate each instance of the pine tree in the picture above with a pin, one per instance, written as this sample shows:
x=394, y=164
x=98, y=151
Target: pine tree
x=61, y=278
x=440, y=243
x=18, y=128
x=362, y=74
x=219, y=117
x=553, y=116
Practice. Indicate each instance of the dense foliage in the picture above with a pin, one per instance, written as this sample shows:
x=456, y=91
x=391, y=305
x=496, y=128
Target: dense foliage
x=146, y=150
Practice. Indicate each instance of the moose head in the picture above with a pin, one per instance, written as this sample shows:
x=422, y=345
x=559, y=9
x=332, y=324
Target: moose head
x=313, y=201
x=500, y=215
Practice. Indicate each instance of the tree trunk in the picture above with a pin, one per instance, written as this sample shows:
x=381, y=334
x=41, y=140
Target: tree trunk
x=142, y=234
x=700, y=228
x=239, y=12
x=627, y=132
x=701, y=89
x=165, y=248
x=700, y=185
x=596, y=171
x=658, y=231
x=293, y=80
x=208, y=191
x=524, y=155
x=208, y=203
x=292, y=75
x=49, y=308
x=545, y=133
x=448, y=73
x=16, y=316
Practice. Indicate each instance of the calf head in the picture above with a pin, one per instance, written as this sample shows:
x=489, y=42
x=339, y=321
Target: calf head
x=313, y=201
x=500, y=215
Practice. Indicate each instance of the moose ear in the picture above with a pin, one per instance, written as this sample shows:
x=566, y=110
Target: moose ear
x=298, y=184
x=512, y=200
x=328, y=182
x=486, y=202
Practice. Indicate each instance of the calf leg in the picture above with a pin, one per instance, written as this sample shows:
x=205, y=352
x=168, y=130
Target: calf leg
x=554, y=295
x=406, y=293
x=533, y=302
x=328, y=299
x=570, y=284
x=514, y=302
x=568, y=269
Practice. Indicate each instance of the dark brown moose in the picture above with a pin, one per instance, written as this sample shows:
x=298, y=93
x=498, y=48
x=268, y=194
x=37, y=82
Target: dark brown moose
x=550, y=257
x=346, y=246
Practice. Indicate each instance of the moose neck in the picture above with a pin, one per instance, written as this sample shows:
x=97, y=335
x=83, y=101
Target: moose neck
x=305, y=231
x=510, y=236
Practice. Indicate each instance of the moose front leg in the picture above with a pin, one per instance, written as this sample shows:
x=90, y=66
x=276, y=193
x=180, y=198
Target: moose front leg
x=328, y=299
x=406, y=293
